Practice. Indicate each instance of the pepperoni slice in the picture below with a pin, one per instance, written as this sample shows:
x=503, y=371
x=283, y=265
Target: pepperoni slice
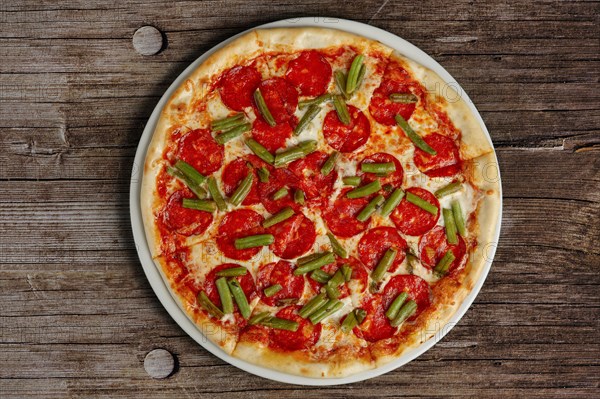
x=237, y=86
x=341, y=217
x=394, y=178
x=445, y=163
x=293, y=237
x=237, y=224
x=416, y=288
x=310, y=72
x=235, y=171
x=279, y=178
x=384, y=110
x=434, y=245
x=374, y=244
x=200, y=150
x=317, y=187
x=359, y=279
x=304, y=337
x=271, y=137
x=281, y=98
x=246, y=282
x=412, y=220
x=346, y=138
x=376, y=325
x=182, y=220
x=281, y=273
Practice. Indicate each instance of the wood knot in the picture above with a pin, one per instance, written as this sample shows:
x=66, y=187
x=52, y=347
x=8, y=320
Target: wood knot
x=147, y=40
x=159, y=363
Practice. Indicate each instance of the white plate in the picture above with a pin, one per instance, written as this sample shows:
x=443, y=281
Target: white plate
x=168, y=299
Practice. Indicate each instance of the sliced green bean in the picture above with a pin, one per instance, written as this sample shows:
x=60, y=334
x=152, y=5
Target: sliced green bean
x=379, y=168
x=216, y=194
x=421, y=203
x=384, y=264
x=196, y=189
x=299, y=197
x=360, y=314
x=314, y=304
x=329, y=164
x=257, y=318
x=280, y=324
x=260, y=151
x=361, y=75
x=337, y=247
x=340, y=82
x=242, y=191
x=353, y=73
x=308, y=116
x=351, y=180
x=228, y=122
x=296, y=152
x=341, y=109
x=240, y=298
x=314, y=101
x=459, y=218
x=370, y=209
x=263, y=109
x=330, y=308
x=308, y=258
x=199, y=205
x=332, y=292
x=449, y=189
x=364, y=191
x=320, y=276
x=404, y=98
x=259, y=240
x=442, y=266
x=394, y=308
x=210, y=307
x=392, y=202
x=232, y=272
x=337, y=279
x=450, y=226
x=407, y=310
x=349, y=322
x=279, y=194
x=263, y=174
x=279, y=217
x=225, y=295
x=232, y=133
x=272, y=290
x=190, y=172
x=347, y=272
x=413, y=136
x=309, y=266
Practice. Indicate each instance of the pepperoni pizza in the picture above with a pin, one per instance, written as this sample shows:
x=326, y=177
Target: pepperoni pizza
x=316, y=201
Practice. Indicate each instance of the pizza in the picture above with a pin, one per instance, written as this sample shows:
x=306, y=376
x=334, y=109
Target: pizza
x=317, y=202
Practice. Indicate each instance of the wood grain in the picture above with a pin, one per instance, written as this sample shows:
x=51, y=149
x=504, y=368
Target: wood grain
x=77, y=316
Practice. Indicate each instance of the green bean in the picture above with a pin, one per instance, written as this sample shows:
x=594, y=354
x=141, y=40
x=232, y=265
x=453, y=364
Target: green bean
x=329, y=164
x=394, y=308
x=450, y=226
x=190, y=172
x=407, y=310
x=240, y=298
x=458, y=218
x=349, y=322
x=404, y=98
x=308, y=116
x=379, y=168
x=371, y=207
x=199, y=205
x=314, y=101
x=225, y=295
x=360, y=314
x=392, y=202
x=210, y=307
x=330, y=308
x=280, y=324
x=384, y=264
x=272, y=290
x=364, y=191
x=296, y=152
x=279, y=217
x=361, y=75
x=442, y=266
x=337, y=279
x=413, y=136
x=259, y=240
x=228, y=122
x=351, y=180
x=309, y=266
x=308, y=258
x=232, y=133
x=340, y=82
x=449, y=189
x=347, y=272
x=337, y=247
x=320, y=276
x=263, y=174
x=263, y=109
x=341, y=109
x=216, y=194
x=196, y=189
x=332, y=292
x=260, y=151
x=242, y=191
x=279, y=194
x=421, y=203
x=353, y=73
x=314, y=304
x=232, y=272
x=257, y=318
x=299, y=197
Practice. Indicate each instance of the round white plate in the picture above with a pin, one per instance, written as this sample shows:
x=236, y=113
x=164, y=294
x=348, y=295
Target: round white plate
x=154, y=276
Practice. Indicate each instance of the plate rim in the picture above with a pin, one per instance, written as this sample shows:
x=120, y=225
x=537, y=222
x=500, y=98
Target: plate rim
x=165, y=294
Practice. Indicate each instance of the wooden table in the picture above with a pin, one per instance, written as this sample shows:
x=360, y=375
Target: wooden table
x=77, y=316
